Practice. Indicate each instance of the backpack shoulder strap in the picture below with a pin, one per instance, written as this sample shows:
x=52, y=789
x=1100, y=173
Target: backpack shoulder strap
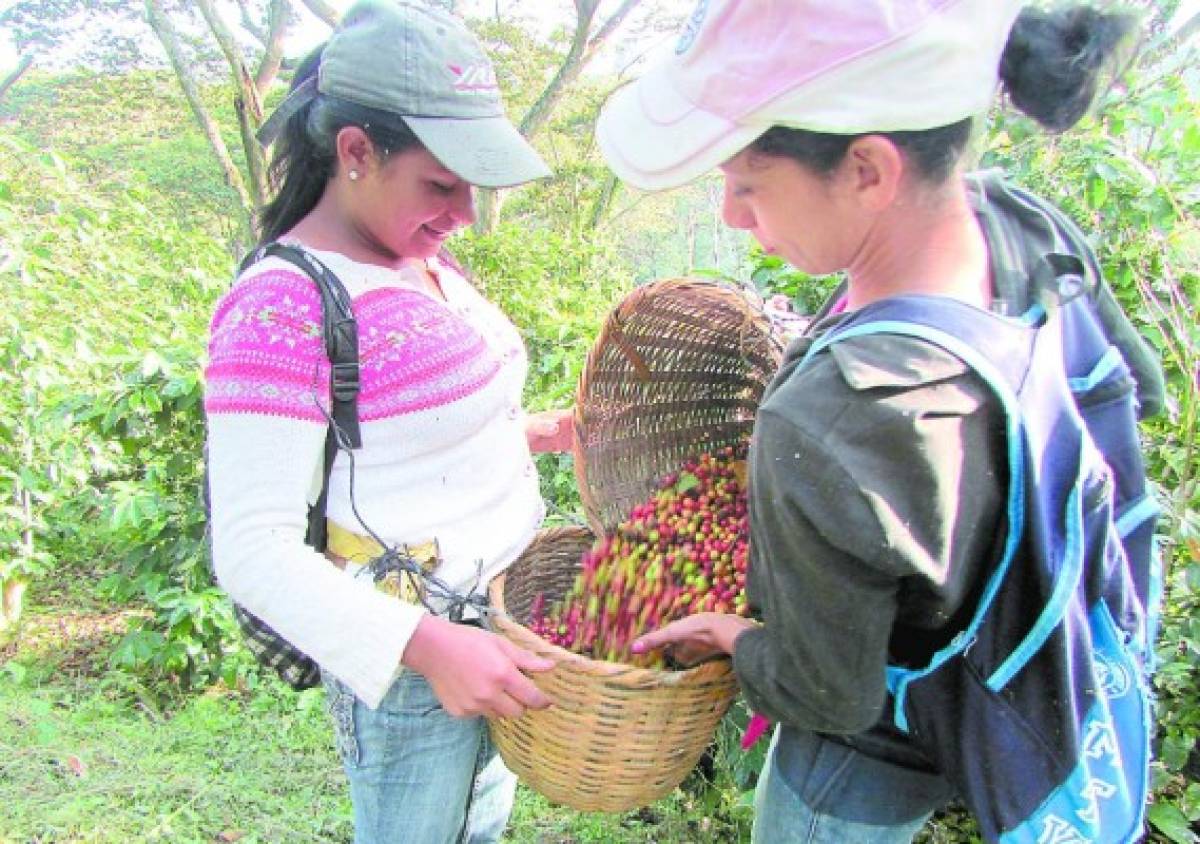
x=340, y=331
x=984, y=341
x=1024, y=232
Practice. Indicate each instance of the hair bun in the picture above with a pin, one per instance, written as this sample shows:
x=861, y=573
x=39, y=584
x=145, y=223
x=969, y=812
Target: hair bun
x=1054, y=59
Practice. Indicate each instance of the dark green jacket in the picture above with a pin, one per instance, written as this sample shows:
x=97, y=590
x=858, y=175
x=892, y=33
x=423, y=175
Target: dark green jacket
x=876, y=485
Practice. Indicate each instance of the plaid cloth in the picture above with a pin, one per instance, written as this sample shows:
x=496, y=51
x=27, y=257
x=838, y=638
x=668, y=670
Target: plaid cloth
x=275, y=652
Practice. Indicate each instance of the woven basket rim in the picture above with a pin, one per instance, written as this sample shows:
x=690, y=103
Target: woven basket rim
x=630, y=674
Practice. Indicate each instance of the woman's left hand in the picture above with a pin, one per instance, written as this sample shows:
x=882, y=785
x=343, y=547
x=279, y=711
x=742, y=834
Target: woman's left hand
x=697, y=637
x=550, y=430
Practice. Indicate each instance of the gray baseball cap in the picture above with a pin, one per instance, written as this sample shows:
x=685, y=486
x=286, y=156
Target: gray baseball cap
x=423, y=64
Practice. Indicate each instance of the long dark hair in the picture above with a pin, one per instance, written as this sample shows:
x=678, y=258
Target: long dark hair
x=304, y=156
x=1050, y=69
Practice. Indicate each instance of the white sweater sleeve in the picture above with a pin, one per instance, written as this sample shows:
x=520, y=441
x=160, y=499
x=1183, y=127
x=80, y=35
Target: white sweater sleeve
x=262, y=461
x=260, y=470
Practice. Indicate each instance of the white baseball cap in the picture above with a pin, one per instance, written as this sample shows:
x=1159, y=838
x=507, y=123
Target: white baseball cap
x=836, y=66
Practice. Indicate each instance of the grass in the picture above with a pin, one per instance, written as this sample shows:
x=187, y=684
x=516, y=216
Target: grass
x=92, y=761
x=94, y=755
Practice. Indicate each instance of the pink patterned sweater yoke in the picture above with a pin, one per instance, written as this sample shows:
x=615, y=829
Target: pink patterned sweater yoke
x=270, y=357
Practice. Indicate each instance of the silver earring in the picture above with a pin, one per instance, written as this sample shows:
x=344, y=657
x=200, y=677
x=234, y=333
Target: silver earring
x=353, y=174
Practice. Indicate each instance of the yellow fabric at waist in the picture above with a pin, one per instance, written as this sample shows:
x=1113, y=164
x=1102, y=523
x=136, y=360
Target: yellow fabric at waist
x=345, y=546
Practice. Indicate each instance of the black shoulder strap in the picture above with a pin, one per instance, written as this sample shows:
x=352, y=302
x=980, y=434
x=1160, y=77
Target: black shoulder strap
x=341, y=345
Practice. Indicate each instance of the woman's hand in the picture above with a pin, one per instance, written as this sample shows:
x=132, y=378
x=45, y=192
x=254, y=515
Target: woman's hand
x=550, y=430
x=697, y=637
x=474, y=672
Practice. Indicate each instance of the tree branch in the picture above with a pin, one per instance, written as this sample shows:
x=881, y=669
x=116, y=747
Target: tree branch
x=165, y=31
x=256, y=161
x=250, y=24
x=609, y=27
x=278, y=19
x=17, y=72
x=567, y=72
x=247, y=102
x=604, y=201
x=233, y=55
x=323, y=10
x=583, y=47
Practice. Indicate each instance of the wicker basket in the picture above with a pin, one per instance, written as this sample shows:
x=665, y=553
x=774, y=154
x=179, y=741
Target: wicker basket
x=617, y=737
x=677, y=369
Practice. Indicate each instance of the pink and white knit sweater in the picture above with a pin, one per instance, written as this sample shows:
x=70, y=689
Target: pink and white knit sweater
x=444, y=453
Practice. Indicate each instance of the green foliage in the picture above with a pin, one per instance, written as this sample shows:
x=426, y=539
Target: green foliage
x=523, y=63
x=742, y=767
x=98, y=31
x=557, y=288
x=772, y=275
x=110, y=300
x=153, y=416
x=20, y=482
x=134, y=131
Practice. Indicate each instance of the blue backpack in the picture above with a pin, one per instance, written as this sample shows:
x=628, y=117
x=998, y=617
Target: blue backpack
x=1039, y=710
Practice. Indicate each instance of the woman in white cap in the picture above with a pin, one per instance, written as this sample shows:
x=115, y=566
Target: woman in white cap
x=380, y=143
x=877, y=485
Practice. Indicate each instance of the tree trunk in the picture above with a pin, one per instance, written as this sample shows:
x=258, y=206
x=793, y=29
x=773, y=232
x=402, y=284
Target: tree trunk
x=256, y=162
x=323, y=10
x=247, y=103
x=609, y=27
x=487, y=210
x=691, y=241
x=489, y=202
x=163, y=28
x=12, y=587
x=12, y=600
x=19, y=71
x=716, y=202
x=567, y=72
x=279, y=19
x=241, y=73
x=604, y=201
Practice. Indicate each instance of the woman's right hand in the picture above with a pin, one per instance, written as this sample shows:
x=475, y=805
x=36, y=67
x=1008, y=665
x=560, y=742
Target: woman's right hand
x=550, y=431
x=474, y=672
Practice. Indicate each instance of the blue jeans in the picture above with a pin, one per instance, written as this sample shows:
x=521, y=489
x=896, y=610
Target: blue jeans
x=418, y=775
x=827, y=793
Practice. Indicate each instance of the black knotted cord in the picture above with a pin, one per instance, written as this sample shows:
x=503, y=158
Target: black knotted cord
x=427, y=586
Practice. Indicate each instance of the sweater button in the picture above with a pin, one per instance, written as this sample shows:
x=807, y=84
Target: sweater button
x=514, y=412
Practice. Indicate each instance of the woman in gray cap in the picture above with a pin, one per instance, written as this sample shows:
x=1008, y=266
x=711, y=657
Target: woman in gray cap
x=378, y=147
x=878, y=469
